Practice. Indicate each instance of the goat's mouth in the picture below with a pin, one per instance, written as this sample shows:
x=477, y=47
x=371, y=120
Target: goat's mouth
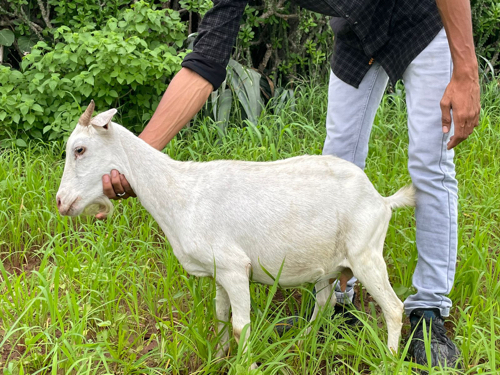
x=72, y=210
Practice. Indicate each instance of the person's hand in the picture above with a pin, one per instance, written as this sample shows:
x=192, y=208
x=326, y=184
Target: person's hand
x=462, y=97
x=115, y=186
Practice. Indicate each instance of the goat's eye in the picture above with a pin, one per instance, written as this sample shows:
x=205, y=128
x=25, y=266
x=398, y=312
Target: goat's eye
x=79, y=151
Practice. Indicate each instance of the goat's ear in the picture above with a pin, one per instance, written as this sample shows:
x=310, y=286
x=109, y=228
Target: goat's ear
x=103, y=120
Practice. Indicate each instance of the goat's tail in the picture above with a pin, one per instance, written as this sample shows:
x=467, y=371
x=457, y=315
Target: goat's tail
x=404, y=197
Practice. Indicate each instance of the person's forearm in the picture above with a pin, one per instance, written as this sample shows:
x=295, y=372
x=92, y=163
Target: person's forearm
x=456, y=16
x=185, y=96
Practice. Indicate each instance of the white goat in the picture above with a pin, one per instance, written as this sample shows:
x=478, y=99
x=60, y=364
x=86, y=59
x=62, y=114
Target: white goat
x=316, y=215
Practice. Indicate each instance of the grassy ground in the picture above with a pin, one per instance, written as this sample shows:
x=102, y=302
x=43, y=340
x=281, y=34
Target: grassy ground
x=78, y=296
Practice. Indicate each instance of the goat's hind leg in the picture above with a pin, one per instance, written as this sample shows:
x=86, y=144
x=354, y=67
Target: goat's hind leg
x=371, y=270
x=324, y=293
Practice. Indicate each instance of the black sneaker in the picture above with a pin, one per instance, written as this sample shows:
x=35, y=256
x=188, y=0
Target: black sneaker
x=343, y=310
x=283, y=327
x=443, y=351
x=346, y=311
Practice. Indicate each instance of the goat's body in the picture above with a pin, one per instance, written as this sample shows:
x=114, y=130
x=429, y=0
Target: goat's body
x=310, y=217
x=302, y=213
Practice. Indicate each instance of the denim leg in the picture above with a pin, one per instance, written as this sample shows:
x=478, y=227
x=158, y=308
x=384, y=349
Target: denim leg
x=349, y=122
x=433, y=174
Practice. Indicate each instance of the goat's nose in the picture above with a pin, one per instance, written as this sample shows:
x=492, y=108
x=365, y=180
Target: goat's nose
x=58, y=200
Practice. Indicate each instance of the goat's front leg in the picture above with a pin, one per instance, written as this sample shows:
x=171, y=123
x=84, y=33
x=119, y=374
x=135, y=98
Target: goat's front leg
x=236, y=284
x=222, y=305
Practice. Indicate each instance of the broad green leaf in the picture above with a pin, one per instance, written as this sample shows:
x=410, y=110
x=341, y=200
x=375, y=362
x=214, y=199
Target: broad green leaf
x=37, y=108
x=24, y=109
x=140, y=27
x=15, y=75
x=152, y=16
x=112, y=25
x=86, y=90
x=130, y=48
x=30, y=118
x=6, y=37
x=36, y=133
x=21, y=143
x=26, y=43
x=25, y=63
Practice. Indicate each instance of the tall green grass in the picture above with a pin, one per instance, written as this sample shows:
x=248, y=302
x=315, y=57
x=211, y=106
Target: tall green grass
x=79, y=296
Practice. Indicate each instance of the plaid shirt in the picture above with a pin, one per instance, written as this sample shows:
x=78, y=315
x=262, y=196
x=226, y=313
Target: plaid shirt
x=392, y=32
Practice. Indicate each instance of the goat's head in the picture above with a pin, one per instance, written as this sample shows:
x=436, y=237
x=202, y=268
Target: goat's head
x=92, y=150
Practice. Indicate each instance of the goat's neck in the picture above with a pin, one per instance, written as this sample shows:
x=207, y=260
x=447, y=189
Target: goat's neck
x=152, y=175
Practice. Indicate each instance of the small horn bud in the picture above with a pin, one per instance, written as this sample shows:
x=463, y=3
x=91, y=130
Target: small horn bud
x=87, y=115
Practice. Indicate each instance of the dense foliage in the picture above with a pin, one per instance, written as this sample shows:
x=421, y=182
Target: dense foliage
x=126, y=61
x=59, y=54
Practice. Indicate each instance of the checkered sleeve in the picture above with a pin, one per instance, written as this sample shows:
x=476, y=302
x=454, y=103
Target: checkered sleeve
x=216, y=37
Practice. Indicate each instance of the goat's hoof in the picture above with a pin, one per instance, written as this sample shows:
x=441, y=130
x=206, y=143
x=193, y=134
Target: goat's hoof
x=253, y=366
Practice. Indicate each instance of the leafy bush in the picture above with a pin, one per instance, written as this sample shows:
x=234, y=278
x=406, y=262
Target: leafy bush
x=128, y=61
x=485, y=16
x=284, y=41
x=124, y=55
x=78, y=13
x=486, y=19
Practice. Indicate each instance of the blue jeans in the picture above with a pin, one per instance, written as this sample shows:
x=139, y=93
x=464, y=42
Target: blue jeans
x=349, y=121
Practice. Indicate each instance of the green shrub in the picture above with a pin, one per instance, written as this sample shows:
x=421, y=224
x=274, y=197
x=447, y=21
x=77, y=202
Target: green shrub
x=486, y=21
x=78, y=13
x=128, y=61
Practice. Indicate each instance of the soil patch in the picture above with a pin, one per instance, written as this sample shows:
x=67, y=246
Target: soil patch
x=18, y=265
x=9, y=353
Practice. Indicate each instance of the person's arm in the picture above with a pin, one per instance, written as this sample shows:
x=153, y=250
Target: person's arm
x=203, y=71
x=462, y=94
x=184, y=97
